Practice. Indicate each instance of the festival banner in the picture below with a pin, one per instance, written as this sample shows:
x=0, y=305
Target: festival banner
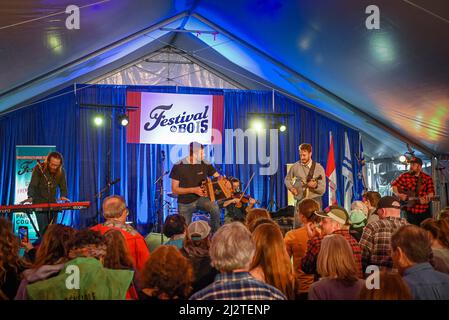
x=26, y=160
x=169, y=118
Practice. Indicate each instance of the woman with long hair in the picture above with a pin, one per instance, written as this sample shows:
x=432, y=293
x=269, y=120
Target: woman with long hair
x=166, y=275
x=11, y=265
x=271, y=262
x=117, y=253
x=51, y=256
x=391, y=287
x=338, y=271
x=439, y=236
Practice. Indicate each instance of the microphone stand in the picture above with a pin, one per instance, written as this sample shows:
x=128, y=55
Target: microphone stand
x=159, y=199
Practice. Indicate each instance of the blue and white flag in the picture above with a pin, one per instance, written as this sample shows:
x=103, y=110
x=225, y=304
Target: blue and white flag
x=347, y=174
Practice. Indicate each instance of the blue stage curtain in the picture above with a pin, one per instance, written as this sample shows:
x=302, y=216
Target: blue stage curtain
x=64, y=119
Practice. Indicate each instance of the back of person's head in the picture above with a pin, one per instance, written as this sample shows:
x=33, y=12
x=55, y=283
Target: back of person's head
x=117, y=252
x=256, y=213
x=9, y=249
x=444, y=214
x=307, y=209
x=174, y=224
x=232, y=248
x=167, y=274
x=113, y=207
x=391, y=287
x=359, y=205
x=438, y=229
x=54, y=246
x=260, y=221
x=336, y=259
x=197, y=241
x=272, y=257
x=87, y=243
x=372, y=197
x=414, y=242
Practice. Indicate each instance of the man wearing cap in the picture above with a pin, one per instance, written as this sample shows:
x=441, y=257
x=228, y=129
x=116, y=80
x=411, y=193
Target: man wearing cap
x=306, y=179
x=415, y=183
x=376, y=237
x=335, y=220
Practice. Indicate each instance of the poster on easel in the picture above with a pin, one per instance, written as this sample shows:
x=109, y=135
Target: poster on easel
x=26, y=160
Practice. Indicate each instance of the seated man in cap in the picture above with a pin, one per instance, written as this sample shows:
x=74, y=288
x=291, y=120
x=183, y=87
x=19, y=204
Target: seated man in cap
x=376, y=237
x=416, y=184
x=335, y=220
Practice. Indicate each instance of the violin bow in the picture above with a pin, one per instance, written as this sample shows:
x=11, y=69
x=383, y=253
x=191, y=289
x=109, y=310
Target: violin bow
x=247, y=185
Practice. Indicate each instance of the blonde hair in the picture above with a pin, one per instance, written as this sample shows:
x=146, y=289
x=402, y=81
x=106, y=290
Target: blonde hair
x=232, y=247
x=336, y=260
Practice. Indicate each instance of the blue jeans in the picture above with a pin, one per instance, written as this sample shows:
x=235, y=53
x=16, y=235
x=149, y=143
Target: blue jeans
x=203, y=204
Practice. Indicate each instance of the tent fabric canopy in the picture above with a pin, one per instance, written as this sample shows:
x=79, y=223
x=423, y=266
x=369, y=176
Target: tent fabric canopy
x=391, y=83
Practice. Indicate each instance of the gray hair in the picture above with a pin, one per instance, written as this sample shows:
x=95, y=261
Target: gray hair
x=113, y=206
x=232, y=247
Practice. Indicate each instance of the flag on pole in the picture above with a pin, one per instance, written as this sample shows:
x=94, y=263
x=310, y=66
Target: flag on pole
x=363, y=174
x=347, y=174
x=331, y=173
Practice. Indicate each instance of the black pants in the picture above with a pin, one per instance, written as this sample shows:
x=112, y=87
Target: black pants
x=417, y=218
x=44, y=219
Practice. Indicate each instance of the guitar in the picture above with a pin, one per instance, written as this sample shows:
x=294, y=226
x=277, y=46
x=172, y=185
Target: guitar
x=303, y=184
x=412, y=200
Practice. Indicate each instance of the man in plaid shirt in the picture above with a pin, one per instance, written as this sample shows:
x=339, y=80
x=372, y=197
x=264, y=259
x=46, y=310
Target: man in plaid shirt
x=415, y=183
x=335, y=221
x=376, y=237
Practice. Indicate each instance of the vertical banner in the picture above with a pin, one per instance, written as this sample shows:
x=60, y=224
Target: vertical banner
x=26, y=160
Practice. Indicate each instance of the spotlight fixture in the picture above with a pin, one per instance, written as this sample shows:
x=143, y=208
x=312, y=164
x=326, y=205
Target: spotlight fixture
x=282, y=128
x=403, y=159
x=257, y=125
x=123, y=120
x=98, y=120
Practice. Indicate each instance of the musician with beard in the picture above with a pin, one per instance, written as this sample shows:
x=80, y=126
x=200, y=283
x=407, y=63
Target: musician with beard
x=45, y=180
x=416, y=184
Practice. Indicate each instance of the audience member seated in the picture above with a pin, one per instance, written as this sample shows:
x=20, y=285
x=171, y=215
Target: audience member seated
x=391, y=287
x=296, y=245
x=154, y=240
x=439, y=237
x=376, y=237
x=11, y=265
x=271, y=263
x=196, y=249
x=175, y=229
x=338, y=271
x=371, y=198
x=118, y=257
x=254, y=214
x=85, y=271
x=411, y=253
x=357, y=220
x=51, y=256
x=260, y=221
x=115, y=213
x=166, y=275
x=232, y=250
x=335, y=221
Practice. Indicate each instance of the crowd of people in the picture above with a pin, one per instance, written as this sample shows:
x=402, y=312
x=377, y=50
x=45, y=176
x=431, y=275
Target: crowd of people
x=369, y=253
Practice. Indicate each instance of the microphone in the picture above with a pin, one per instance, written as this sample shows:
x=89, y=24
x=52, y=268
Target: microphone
x=114, y=182
x=158, y=179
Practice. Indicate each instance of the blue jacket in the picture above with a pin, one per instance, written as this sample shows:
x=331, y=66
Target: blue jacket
x=426, y=283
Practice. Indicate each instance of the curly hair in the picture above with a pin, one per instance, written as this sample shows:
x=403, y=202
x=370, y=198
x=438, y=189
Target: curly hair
x=87, y=243
x=168, y=274
x=117, y=253
x=54, y=246
x=9, y=250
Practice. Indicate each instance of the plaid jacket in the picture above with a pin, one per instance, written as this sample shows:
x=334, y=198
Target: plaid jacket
x=238, y=286
x=308, y=263
x=376, y=241
x=407, y=182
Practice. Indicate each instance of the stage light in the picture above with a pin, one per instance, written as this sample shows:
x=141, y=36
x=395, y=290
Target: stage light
x=98, y=120
x=282, y=128
x=403, y=159
x=123, y=120
x=257, y=125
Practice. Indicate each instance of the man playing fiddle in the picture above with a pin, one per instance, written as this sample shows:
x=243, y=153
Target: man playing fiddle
x=235, y=208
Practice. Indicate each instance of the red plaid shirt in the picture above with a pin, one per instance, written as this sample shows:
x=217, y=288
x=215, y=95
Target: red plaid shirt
x=308, y=262
x=407, y=182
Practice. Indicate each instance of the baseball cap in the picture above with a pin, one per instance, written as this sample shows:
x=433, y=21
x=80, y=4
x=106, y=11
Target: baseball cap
x=388, y=202
x=336, y=213
x=415, y=160
x=357, y=218
x=198, y=230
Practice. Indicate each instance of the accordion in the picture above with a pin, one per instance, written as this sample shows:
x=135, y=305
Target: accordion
x=217, y=188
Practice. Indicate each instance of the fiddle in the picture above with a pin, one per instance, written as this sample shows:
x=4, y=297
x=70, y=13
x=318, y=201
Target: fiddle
x=245, y=199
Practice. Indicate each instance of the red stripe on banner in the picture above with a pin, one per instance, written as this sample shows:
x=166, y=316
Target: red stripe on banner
x=133, y=99
x=217, y=119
